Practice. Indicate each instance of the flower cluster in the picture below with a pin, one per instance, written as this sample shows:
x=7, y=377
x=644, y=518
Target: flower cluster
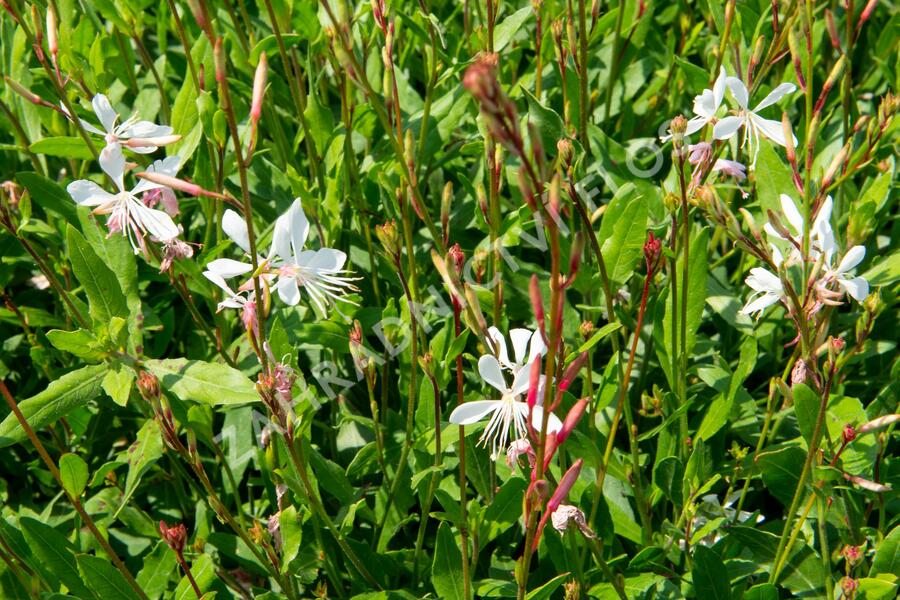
x=792, y=243
x=707, y=107
x=129, y=214
x=287, y=268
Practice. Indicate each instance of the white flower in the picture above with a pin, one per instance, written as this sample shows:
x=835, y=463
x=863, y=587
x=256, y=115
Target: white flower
x=319, y=272
x=232, y=299
x=754, y=125
x=856, y=287
x=145, y=136
x=508, y=411
x=706, y=105
x=820, y=232
x=767, y=286
x=522, y=340
x=127, y=213
x=235, y=227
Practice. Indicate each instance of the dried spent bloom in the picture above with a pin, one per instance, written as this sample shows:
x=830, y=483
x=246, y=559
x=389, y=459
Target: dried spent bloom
x=566, y=516
x=173, y=250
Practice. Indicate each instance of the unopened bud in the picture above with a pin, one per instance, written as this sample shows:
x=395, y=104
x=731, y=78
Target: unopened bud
x=389, y=236
x=148, y=385
x=174, y=536
x=178, y=184
x=219, y=59
x=677, y=127
x=52, y=32
x=572, y=418
x=537, y=302
x=565, y=485
x=259, y=87
x=566, y=151
x=586, y=329
x=23, y=91
x=876, y=424
x=800, y=372
x=848, y=433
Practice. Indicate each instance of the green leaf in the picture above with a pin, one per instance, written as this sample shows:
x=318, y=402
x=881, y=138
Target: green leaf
x=105, y=296
x=291, y=536
x=185, y=117
x=269, y=45
x=158, y=567
x=545, y=119
x=74, y=473
x=508, y=27
x=780, y=471
x=545, y=592
x=806, y=407
x=762, y=591
x=80, y=343
x=55, y=553
x=595, y=338
x=115, y=252
x=142, y=454
x=446, y=570
x=204, y=571
x=668, y=475
x=622, y=234
x=871, y=588
x=773, y=178
x=886, y=271
x=70, y=391
x=49, y=195
x=104, y=579
x=199, y=381
x=65, y=147
x=710, y=576
x=117, y=383
x=887, y=555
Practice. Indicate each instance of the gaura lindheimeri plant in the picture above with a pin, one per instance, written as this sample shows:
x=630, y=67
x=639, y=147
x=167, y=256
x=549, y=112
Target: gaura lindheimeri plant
x=220, y=391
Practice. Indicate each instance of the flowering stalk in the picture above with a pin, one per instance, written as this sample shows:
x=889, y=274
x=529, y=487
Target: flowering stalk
x=228, y=109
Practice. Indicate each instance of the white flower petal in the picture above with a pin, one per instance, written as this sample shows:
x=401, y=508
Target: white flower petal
x=500, y=346
x=489, y=369
x=288, y=291
x=537, y=417
x=763, y=280
x=235, y=227
x=760, y=304
x=851, y=259
x=719, y=87
x=791, y=213
x=738, y=90
x=88, y=193
x=298, y=226
x=537, y=347
x=775, y=95
x=112, y=161
x=705, y=105
x=219, y=281
x=281, y=239
x=104, y=111
x=472, y=412
x=521, y=381
x=228, y=268
x=155, y=222
x=822, y=223
x=326, y=260
x=770, y=129
x=88, y=126
x=695, y=125
x=858, y=288
x=727, y=127
x=520, y=338
x=146, y=129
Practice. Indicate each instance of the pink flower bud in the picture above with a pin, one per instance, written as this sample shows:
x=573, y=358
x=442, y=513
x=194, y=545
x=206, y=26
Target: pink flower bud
x=572, y=371
x=52, y=33
x=178, y=184
x=174, y=536
x=259, y=88
x=161, y=140
x=534, y=382
x=572, y=418
x=565, y=485
x=537, y=303
x=848, y=434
